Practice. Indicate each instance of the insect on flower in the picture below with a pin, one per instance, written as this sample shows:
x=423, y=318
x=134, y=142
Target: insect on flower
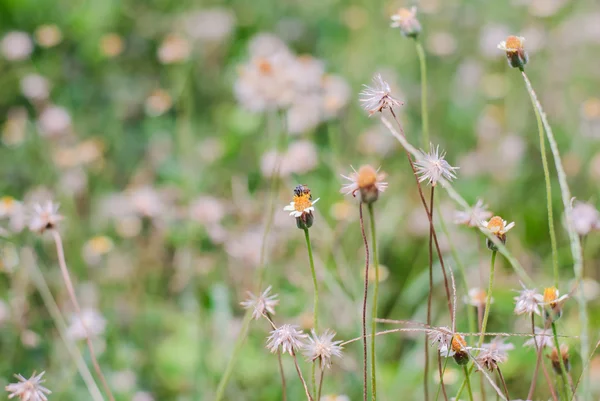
x=302, y=207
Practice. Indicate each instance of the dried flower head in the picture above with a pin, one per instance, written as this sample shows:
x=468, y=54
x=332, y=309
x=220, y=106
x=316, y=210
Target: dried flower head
x=515, y=52
x=499, y=228
x=493, y=353
x=527, y=302
x=45, y=217
x=301, y=207
x=262, y=304
x=554, y=301
x=406, y=20
x=543, y=338
x=477, y=297
x=288, y=337
x=441, y=337
x=378, y=97
x=473, y=216
x=322, y=347
x=564, y=354
x=367, y=181
x=458, y=350
x=585, y=218
x=433, y=167
x=28, y=389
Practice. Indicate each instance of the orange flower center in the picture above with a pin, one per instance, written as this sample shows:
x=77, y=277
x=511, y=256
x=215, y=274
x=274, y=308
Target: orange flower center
x=550, y=295
x=591, y=108
x=302, y=202
x=479, y=296
x=458, y=343
x=367, y=176
x=264, y=66
x=404, y=13
x=513, y=43
x=7, y=201
x=496, y=224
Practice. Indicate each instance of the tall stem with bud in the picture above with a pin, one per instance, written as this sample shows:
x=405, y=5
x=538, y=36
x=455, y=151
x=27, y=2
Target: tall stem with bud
x=315, y=301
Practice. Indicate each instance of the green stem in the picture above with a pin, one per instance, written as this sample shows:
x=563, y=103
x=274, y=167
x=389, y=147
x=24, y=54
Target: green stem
x=424, y=111
x=315, y=303
x=563, y=370
x=374, y=308
x=548, y=194
x=468, y=381
x=488, y=300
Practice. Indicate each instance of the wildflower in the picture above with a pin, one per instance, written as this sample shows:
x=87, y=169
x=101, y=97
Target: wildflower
x=499, y=228
x=585, y=218
x=458, y=350
x=35, y=87
x=477, y=297
x=378, y=97
x=441, y=337
x=263, y=304
x=173, y=49
x=53, y=121
x=87, y=323
x=473, y=216
x=288, y=337
x=493, y=353
x=301, y=207
x=16, y=45
x=48, y=35
x=433, y=167
x=367, y=181
x=335, y=397
x=515, y=53
x=527, y=302
x=45, y=217
x=406, y=20
x=543, y=338
x=111, y=45
x=553, y=299
x=322, y=347
x=564, y=354
x=29, y=389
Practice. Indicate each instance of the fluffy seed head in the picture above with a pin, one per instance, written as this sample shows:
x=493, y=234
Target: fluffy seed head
x=527, y=302
x=433, y=167
x=44, y=217
x=288, y=337
x=378, y=97
x=473, y=216
x=322, y=347
x=262, y=304
x=28, y=389
x=564, y=354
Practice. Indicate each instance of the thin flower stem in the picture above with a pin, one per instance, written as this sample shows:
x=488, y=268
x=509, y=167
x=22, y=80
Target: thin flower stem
x=563, y=370
x=537, y=362
x=364, y=308
x=441, y=373
x=468, y=381
x=308, y=396
x=488, y=301
x=67, y=279
x=586, y=366
x=437, y=393
x=574, y=239
x=320, y=379
x=282, y=374
x=429, y=295
x=503, y=383
x=424, y=111
x=548, y=194
x=374, y=307
x=315, y=300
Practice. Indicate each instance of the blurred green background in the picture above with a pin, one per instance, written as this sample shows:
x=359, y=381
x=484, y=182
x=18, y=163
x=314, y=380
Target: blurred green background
x=125, y=112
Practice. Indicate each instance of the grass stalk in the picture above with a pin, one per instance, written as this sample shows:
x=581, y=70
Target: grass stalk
x=313, y=273
x=364, y=306
x=374, y=306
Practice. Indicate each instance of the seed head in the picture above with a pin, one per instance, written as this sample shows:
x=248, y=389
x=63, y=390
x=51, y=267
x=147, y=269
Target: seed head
x=288, y=337
x=543, y=338
x=432, y=167
x=28, y=389
x=261, y=304
x=527, y=302
x=322, y=347
x=473, y=216
x=515, y=53
x=378, y=97
x=493, y=353
x=45, y=217
x=367, y=181
x=406, y=20
x=564, y=354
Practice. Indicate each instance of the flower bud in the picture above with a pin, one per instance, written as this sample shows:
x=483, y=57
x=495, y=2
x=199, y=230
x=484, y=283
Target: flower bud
x=515, y=53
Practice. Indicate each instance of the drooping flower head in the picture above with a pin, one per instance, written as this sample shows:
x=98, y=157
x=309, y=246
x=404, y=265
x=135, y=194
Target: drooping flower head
x=527, y=302
x=45, y=217
x=432, y=167
x=406, y=20
x=553, y=302
x=261, y=304
x=29, y=389
x=564, y=354
x=367, y=181
x=301, y=207
x=472, y=217
x=322, y=347
x=494, y=353
x=378, y=97
x=288, y=337
x=515, y=53
x=499, y=228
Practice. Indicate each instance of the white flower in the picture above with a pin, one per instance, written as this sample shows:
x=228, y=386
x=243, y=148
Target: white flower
x=367, y=181
x=440, y=337
x=527, y=302
x=477, y=297
x=497, y=226
x=494, y=353
x=288, y=337
x=432, y=167
x=89, y=322
x=543, y=338
x=29, y=389
x=406, y=20
x=16, y=46
x=45, y=217
x=378, y=97
x=473, y=216
x=322, y=347
x=302, y=202
x=585, y=218
x=262, y=304
x=512, y=44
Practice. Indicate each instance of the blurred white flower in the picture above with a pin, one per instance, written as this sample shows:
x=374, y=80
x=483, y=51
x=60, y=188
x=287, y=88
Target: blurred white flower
x=527, y=302
x=432, y=167
x=91, y=320
x=378, y=97
x=29, y=389
x=207, y=210
x=111, y=45
x=543, y=338
x=209, y=25
x=304, y=115
x=288, y=337
x=174, y=49
x=262, y=304
x=44, y=217
x=48, y=35
x=53, y=121
x=35, y=87
x=585, y=218
x=473, y=216
x=322, y=347
x=335, y=397
x=158, y=102
x=336, y=94
x=16, y=45
x=96, y=248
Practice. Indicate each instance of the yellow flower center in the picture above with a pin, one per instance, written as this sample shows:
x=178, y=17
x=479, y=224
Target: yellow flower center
x=496, y=224
x=264, y=66
x=7, y=201
x=479, y=296
x=302, y=202
x=101, y=244
x=591, y=108
x=550, y=295
x=458, y=343
x=404, y=13
x=513, y=43
x=367, y=177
